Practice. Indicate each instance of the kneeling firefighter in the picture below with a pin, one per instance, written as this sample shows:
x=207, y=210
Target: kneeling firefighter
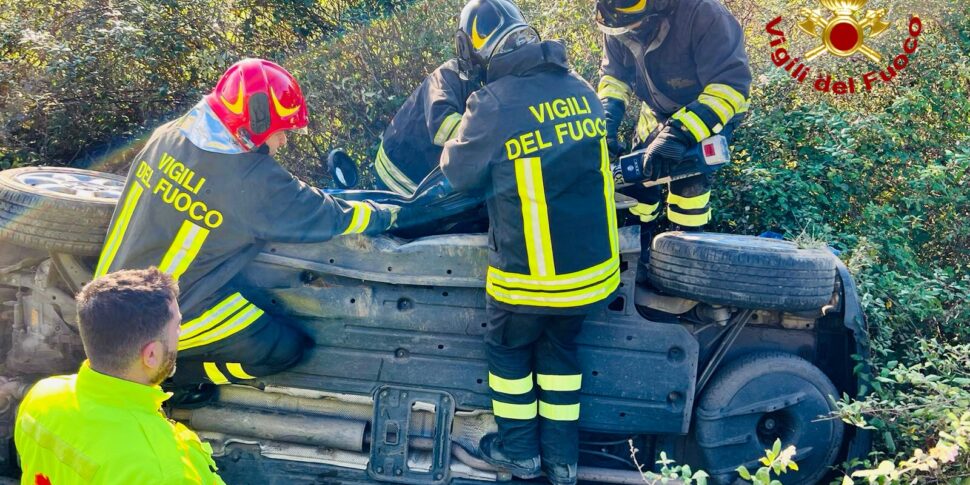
x=204, y=197
x=534, y=140
x=685, y=60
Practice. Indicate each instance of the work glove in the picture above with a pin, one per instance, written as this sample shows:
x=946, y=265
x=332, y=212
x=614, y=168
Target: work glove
x=613, y=111
x=392, y=212
x=635, y=167
x=411, y=215
x=665, y=148
x=670, y=144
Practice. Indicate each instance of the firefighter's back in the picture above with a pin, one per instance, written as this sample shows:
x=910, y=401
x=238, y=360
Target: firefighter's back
x=552, y=203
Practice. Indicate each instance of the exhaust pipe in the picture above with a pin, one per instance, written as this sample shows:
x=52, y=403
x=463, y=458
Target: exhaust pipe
x=313, y=430
x=333, y=423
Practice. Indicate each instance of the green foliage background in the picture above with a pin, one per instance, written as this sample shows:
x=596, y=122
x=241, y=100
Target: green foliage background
x=881, y=176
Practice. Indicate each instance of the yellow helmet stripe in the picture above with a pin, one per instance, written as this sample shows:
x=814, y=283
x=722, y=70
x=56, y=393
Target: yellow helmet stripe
x=237, y=106
x=280, y=109
x=477, y=40
x=639, y=7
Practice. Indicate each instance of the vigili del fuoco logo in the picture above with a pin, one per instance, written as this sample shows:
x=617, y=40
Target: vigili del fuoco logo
x=843, y=32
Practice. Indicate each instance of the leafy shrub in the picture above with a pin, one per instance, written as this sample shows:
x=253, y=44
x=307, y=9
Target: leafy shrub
x=81, y=78
x=884, y=177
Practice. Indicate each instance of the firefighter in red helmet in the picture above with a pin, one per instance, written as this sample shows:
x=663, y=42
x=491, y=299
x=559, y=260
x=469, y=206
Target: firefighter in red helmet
x=203, y=198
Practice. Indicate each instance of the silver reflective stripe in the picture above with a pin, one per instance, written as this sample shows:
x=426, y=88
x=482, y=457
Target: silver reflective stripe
x=65, y=452
x=214, y=316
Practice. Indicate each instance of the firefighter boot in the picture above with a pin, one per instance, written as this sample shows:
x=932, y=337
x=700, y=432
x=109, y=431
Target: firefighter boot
x=560, y=474
x=493, y=453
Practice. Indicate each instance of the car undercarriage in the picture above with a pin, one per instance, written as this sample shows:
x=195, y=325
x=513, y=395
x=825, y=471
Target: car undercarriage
x=734, y=353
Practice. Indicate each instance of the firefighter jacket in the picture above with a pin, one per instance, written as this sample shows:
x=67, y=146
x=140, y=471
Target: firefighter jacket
x=200, y=209
x=92, y=429
x=534, y=139
x=687, y=63
x=411, y=144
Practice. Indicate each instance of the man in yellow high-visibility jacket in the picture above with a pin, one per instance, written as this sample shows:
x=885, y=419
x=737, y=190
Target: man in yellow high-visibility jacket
x=104, y=425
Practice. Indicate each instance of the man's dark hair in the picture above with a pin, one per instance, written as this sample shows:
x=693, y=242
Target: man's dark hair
x=121, y=312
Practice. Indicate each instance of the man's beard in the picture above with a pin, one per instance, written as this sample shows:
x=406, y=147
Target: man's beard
x=167, y=369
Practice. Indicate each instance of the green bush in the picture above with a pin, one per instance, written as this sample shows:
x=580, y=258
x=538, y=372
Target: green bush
x=883, y=177
x=81, y=78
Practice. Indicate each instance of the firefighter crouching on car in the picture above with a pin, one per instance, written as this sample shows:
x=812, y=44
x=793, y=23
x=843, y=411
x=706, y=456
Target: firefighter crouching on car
x=533, y=138
x=685, y=60
x=411, y=145
x=204, y=197
x=103, y=425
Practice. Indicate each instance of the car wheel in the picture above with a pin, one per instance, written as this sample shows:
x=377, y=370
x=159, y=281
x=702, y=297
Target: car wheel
x=762, y=397
x=742, y=271
x=57, y=209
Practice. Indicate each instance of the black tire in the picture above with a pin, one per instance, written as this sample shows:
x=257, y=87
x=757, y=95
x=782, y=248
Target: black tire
x=758, y=398
x=742, y=271
x=36, y=217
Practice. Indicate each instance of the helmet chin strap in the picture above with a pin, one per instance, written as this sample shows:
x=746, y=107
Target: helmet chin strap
x=243, y=136
x=468, y=68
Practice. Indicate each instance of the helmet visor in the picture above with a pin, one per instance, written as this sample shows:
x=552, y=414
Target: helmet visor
x=517, y=38
x=613, y=22
x=613, y=31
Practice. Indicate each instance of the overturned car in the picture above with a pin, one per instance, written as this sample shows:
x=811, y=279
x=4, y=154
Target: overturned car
x=749, y=341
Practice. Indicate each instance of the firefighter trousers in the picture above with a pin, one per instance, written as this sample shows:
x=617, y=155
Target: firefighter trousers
x=535, y=378
x=688, y=199
x=234, y=341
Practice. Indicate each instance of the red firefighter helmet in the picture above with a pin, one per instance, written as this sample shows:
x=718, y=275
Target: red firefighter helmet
x=256, y=98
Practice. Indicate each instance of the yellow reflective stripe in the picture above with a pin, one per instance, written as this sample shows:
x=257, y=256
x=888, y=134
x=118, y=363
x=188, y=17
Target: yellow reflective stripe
x=213, y=317
x=564, y=299
x=514, y=411
x=235, y=368
x=118, y=231
x=552, y=382
x=559, y=412
x=611, y=87
x=569, y=281
x=510, y=386
x=696, y=202
x=447, y=129
x=646, y=212
x=535, y=216
x=237, y=323
x=610, y=200
x=723, y=109
x=392, y=176
x=689, y=220
x=693, y=123
x=184, y=249
x=646, y=123
x=576, y=287
x=360, y=219
x=649, y=217
x=214, y=374
x=66, y=453
x=729, y=94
